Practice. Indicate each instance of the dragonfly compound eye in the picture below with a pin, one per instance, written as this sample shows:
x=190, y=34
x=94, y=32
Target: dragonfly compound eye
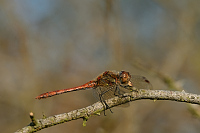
x=124, y=77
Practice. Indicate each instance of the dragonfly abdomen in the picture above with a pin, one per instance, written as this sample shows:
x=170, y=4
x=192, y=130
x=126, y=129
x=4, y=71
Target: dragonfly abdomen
x=88, y=85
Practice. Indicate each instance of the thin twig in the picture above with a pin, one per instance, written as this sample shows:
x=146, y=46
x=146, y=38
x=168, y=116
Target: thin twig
x=34, y=122
x=97, y=108
x=167, y=80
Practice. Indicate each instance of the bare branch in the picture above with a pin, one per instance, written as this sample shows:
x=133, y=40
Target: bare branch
x=96, y=108
x=167, y=80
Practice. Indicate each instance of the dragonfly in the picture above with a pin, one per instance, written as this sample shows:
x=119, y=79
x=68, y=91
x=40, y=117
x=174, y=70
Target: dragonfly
x=107, y=85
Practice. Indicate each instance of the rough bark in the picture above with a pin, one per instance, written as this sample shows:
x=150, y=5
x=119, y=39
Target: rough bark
x=97, y=108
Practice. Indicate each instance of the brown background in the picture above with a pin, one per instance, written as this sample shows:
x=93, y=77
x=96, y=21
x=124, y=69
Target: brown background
x=50, y=45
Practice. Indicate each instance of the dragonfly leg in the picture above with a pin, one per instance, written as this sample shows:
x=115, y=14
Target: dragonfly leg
x=118, y=92
x=105, y=105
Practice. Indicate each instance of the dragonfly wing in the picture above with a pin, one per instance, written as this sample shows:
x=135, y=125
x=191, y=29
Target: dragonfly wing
x=140, y=82
x=104, y=93
x=110, y=91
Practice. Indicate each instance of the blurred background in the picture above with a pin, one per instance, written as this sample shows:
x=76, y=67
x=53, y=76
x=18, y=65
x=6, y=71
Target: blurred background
x=49, y=45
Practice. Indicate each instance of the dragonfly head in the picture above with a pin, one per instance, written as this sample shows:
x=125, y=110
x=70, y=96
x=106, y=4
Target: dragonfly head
x=125, y=78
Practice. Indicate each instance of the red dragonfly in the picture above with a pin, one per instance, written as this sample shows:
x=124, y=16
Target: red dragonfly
x=107, y=85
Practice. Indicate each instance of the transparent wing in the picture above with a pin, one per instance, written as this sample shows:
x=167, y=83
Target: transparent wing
x=109, y=91
x=104, y=93
x=140, y=82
